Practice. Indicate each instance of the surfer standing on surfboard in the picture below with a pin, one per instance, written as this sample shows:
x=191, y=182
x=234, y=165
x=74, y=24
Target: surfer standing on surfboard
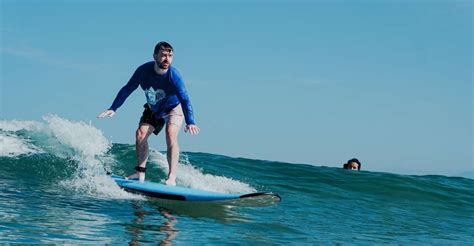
x=167, y=102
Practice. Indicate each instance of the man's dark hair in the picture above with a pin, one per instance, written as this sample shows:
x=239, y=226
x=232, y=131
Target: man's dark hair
x=346, y=165
x=164, y=46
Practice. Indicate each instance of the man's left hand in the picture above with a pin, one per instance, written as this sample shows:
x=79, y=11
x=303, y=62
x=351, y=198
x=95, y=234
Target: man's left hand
x=193, y=129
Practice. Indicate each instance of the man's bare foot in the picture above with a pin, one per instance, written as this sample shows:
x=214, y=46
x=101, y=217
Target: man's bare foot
x=171, y=181
x=133, y=176
x=136, y=176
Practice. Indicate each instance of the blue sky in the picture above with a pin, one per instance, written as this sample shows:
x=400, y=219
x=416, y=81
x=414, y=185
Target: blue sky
x=316, y=82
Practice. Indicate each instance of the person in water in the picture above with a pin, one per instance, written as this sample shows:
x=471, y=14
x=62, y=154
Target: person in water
x=167, y=102
x=352, y=164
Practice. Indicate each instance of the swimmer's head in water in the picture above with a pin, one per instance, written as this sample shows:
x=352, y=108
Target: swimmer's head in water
x=353, y=164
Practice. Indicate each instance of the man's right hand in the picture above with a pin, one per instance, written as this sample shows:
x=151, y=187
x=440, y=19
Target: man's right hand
x=106, y=113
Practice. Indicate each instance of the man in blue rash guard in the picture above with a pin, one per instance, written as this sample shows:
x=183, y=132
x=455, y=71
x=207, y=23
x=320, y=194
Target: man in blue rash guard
x=167, y=102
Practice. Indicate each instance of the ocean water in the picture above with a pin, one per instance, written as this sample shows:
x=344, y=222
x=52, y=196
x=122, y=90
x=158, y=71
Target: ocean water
x=53, y=189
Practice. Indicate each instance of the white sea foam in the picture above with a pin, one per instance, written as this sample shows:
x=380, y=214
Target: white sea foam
x=11, y=146
x=96, y=185
x=84, y=138
x=17, y=125
x=192, y=177
x=66, y=139
x=89, y=150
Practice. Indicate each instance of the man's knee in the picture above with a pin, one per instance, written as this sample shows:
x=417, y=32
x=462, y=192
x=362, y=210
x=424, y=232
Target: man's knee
x=141, y=134
x=172, y=135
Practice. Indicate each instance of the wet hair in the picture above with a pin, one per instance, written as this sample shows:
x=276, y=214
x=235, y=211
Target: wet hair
x=346, y=165
x=164, y=46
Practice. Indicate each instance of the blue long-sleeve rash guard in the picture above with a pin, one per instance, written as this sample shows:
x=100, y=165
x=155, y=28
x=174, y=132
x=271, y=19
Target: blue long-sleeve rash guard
x=163, y=92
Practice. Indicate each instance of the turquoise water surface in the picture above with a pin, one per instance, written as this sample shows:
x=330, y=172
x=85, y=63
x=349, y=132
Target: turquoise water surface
x=53, y=189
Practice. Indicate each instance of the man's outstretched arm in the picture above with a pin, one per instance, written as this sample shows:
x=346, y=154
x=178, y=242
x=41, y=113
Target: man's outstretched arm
x=191, y=126
x=131, y=86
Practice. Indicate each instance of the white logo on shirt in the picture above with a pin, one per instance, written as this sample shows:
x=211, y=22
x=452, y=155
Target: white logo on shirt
x=153, y=97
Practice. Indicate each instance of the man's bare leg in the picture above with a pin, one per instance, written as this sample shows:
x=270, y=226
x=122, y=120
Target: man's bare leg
x=172, y=152
x=141, y=145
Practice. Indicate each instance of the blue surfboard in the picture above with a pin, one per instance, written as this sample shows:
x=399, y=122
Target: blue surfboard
x=157, y=190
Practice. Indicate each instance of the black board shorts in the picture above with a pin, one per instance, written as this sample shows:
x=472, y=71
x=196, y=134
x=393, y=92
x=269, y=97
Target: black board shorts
x=148, y=118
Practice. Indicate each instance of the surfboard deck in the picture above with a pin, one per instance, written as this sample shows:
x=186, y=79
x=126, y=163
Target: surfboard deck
x=162, y=191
